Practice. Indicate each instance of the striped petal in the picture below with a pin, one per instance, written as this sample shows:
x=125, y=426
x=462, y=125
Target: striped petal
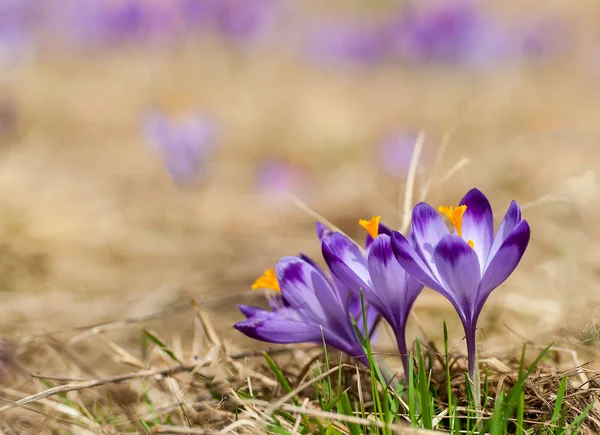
x=478, y=224
x=428, y=230
x=504, y=262
x=508, y=224
x=458, y=267
x=410, y=261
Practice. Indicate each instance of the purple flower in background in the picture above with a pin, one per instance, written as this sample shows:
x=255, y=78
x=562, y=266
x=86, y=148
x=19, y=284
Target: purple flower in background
x=235, y=19
x=454, y=32
x=16, y=33
x=14, y=19
x=279, y=177
x=464, y=266
x=348, y=43
x=541, y=38
x=109, y=22
x=184, y=144
x=457, y=32
x=396, y=153
x=311, y=307
x=242, y=18
x=386, y=286
x=460, y=32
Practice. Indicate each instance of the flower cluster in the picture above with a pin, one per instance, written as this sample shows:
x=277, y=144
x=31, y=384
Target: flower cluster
x=464, y=265
x=310, y=306
x=457, y=32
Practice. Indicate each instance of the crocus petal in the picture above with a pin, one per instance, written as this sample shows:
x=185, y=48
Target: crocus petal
x=410, y=261
x=277, y=302
x=337, y=246
x=342, y=290
x=250, y=311
x=313, y=263
x=394, y=291
x=510, y=221
x=305, y=288
x=428, y=228
x=343, y=274
x=372, y=314
x=279, y=330
x=504, y=262
x=322, y=231
x=383, y=229
x=478, y=224
x=458, y=267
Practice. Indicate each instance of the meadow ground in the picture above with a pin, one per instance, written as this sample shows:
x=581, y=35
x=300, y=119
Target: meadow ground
x=101, y=254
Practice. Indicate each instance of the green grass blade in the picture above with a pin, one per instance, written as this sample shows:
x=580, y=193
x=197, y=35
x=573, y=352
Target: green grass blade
x=573, y=428
x=558, y=405
x=411, y=392
x=154, y=338
x=423, y=391
x=280, y=377
x=520, y=413
x=498, y=423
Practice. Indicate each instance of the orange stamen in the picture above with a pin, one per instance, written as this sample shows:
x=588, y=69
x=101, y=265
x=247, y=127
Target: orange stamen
x=267, y=280
x=455, y=215
x=372, y=226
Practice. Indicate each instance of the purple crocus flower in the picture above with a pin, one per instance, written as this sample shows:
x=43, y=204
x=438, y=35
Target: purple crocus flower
x=396, y=153
x=466, y=265
x=452, y=32
x=242, y=18
x=279, y=177
x=15, y=17
x=184, y=144
x=386, y=286
x=310, y=308
x=363, y=44
x=109, y=22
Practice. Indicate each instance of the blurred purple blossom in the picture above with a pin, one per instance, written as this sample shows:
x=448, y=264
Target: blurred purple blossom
x=243, y=18
x=354, y=43
x=184, y=143
x=279, y=177
x=395, y=153
x=112, y=22
x=438, y=31
x=14, y=19
x=109, y=22
x=16, y=37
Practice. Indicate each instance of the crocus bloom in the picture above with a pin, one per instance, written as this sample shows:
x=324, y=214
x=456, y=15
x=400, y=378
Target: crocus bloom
x=346, y=43
x=279, y=177
x=310, y=307
x=396, y=153
x=466, y=265
x=243, y=18
x=386, y=286
x=110, y=22
x=184, y=144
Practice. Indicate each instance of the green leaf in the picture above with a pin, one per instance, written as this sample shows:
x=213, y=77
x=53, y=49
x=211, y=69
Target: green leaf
x=154, y=338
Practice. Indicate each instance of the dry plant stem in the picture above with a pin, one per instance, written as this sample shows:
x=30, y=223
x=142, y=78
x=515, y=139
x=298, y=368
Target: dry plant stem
x=74, y=386
x=410, y=182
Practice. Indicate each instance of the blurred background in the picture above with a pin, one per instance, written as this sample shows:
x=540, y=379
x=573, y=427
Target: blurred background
x=148, y=149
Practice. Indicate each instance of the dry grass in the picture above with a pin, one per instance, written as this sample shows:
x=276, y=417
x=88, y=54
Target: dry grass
x=93, y=232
